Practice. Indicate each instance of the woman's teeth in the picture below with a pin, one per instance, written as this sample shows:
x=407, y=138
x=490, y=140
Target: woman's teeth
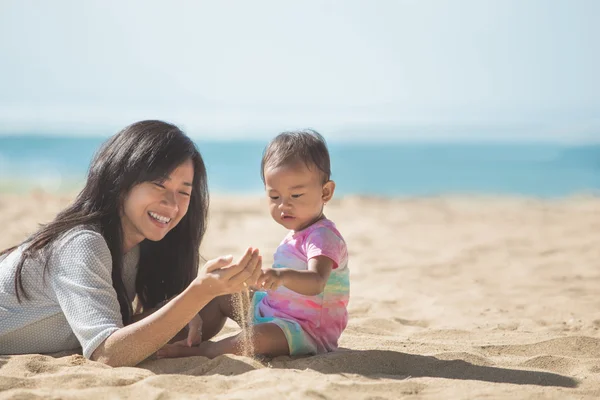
x=160, y=218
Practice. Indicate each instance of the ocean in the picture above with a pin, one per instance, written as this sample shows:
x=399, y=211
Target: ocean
x=59, y=164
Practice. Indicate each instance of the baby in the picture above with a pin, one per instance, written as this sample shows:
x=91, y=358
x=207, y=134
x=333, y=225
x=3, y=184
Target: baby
x=300, y=306
x=307, y=289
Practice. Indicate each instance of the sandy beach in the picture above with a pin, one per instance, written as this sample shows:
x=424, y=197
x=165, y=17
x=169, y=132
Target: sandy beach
x=451, y=298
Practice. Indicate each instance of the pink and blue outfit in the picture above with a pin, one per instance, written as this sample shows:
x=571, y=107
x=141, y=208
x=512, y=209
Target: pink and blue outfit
x=311, y=324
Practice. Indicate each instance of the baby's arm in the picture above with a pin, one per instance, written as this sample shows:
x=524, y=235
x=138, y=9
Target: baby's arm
x=309, y=283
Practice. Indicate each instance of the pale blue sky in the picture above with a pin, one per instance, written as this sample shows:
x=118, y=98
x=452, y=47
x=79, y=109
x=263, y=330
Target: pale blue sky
x=236, y=68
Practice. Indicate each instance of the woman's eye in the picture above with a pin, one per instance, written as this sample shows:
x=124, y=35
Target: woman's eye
x=185, y=194
x=160, y=185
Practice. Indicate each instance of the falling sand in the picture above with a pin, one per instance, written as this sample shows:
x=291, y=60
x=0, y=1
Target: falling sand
x=241, y=306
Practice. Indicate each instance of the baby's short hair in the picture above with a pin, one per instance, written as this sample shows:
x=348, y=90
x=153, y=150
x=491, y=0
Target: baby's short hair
x=290, y=147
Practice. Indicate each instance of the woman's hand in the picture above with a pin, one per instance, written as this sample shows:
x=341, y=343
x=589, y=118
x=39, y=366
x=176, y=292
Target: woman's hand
x=219, y=276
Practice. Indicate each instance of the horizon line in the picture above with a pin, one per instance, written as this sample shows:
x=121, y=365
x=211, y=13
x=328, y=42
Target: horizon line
x=339, y=140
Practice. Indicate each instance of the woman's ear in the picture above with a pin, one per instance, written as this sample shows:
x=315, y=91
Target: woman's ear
x=328, y=189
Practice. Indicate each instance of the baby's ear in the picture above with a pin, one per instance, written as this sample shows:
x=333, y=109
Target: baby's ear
x=328, y=189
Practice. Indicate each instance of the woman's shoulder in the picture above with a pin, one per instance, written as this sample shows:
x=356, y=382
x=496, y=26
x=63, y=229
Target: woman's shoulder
x=81, y=246
x=88, y=236
x=85, y=238
x=80, y=251
x=80, y=231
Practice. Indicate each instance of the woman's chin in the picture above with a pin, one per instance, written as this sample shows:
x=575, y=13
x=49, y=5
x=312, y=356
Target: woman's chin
x=154, y=235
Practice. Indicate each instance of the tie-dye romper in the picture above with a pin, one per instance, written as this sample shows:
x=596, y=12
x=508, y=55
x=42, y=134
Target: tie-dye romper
x=312, y=324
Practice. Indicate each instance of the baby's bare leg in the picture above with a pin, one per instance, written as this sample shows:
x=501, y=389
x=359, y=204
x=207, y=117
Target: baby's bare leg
x=268, y=340
x=217, y=311
x=214, y=315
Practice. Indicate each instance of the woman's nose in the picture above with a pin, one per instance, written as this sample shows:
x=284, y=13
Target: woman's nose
x=169, y=199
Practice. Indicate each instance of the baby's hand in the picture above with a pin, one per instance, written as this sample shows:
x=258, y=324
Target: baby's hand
x=270, y=279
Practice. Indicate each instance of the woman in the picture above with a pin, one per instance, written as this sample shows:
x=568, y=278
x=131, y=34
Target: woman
x=133, y=232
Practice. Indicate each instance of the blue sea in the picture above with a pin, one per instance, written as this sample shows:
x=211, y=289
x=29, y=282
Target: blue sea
x=59, y=164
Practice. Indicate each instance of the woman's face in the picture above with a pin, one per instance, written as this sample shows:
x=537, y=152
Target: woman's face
x=152, y=209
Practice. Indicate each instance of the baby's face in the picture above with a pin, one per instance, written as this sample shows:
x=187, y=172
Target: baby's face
x=297, y=195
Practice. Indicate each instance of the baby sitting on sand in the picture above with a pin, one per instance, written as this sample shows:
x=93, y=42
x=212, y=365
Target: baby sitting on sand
x=307, y=289
x=300, y=306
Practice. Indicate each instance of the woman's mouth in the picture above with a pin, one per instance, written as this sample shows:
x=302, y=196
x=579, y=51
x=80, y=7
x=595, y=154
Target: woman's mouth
x=161, y=219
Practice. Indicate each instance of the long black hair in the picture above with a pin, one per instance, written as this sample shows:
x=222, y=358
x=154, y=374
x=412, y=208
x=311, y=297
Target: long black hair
x=145, y=151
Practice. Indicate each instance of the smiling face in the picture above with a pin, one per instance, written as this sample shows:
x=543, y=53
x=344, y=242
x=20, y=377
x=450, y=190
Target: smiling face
x=152, y=209
x=297, y=195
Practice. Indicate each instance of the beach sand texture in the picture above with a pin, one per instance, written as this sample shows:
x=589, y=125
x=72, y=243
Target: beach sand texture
x=451, y=298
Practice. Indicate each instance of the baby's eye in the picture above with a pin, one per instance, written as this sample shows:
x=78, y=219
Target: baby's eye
x=274, y=197
x=295, y=196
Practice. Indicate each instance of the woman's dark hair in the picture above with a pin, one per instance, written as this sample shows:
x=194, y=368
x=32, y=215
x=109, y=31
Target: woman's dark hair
x=305, y=146
x=142, y=152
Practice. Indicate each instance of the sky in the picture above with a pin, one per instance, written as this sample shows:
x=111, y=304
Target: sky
x=351, y=69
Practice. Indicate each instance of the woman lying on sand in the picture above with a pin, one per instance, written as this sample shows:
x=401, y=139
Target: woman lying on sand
x=133, y=231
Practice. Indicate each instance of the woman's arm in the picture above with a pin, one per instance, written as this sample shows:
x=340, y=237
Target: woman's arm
x=135, y=342
x=140, y=313
x=132, y=344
